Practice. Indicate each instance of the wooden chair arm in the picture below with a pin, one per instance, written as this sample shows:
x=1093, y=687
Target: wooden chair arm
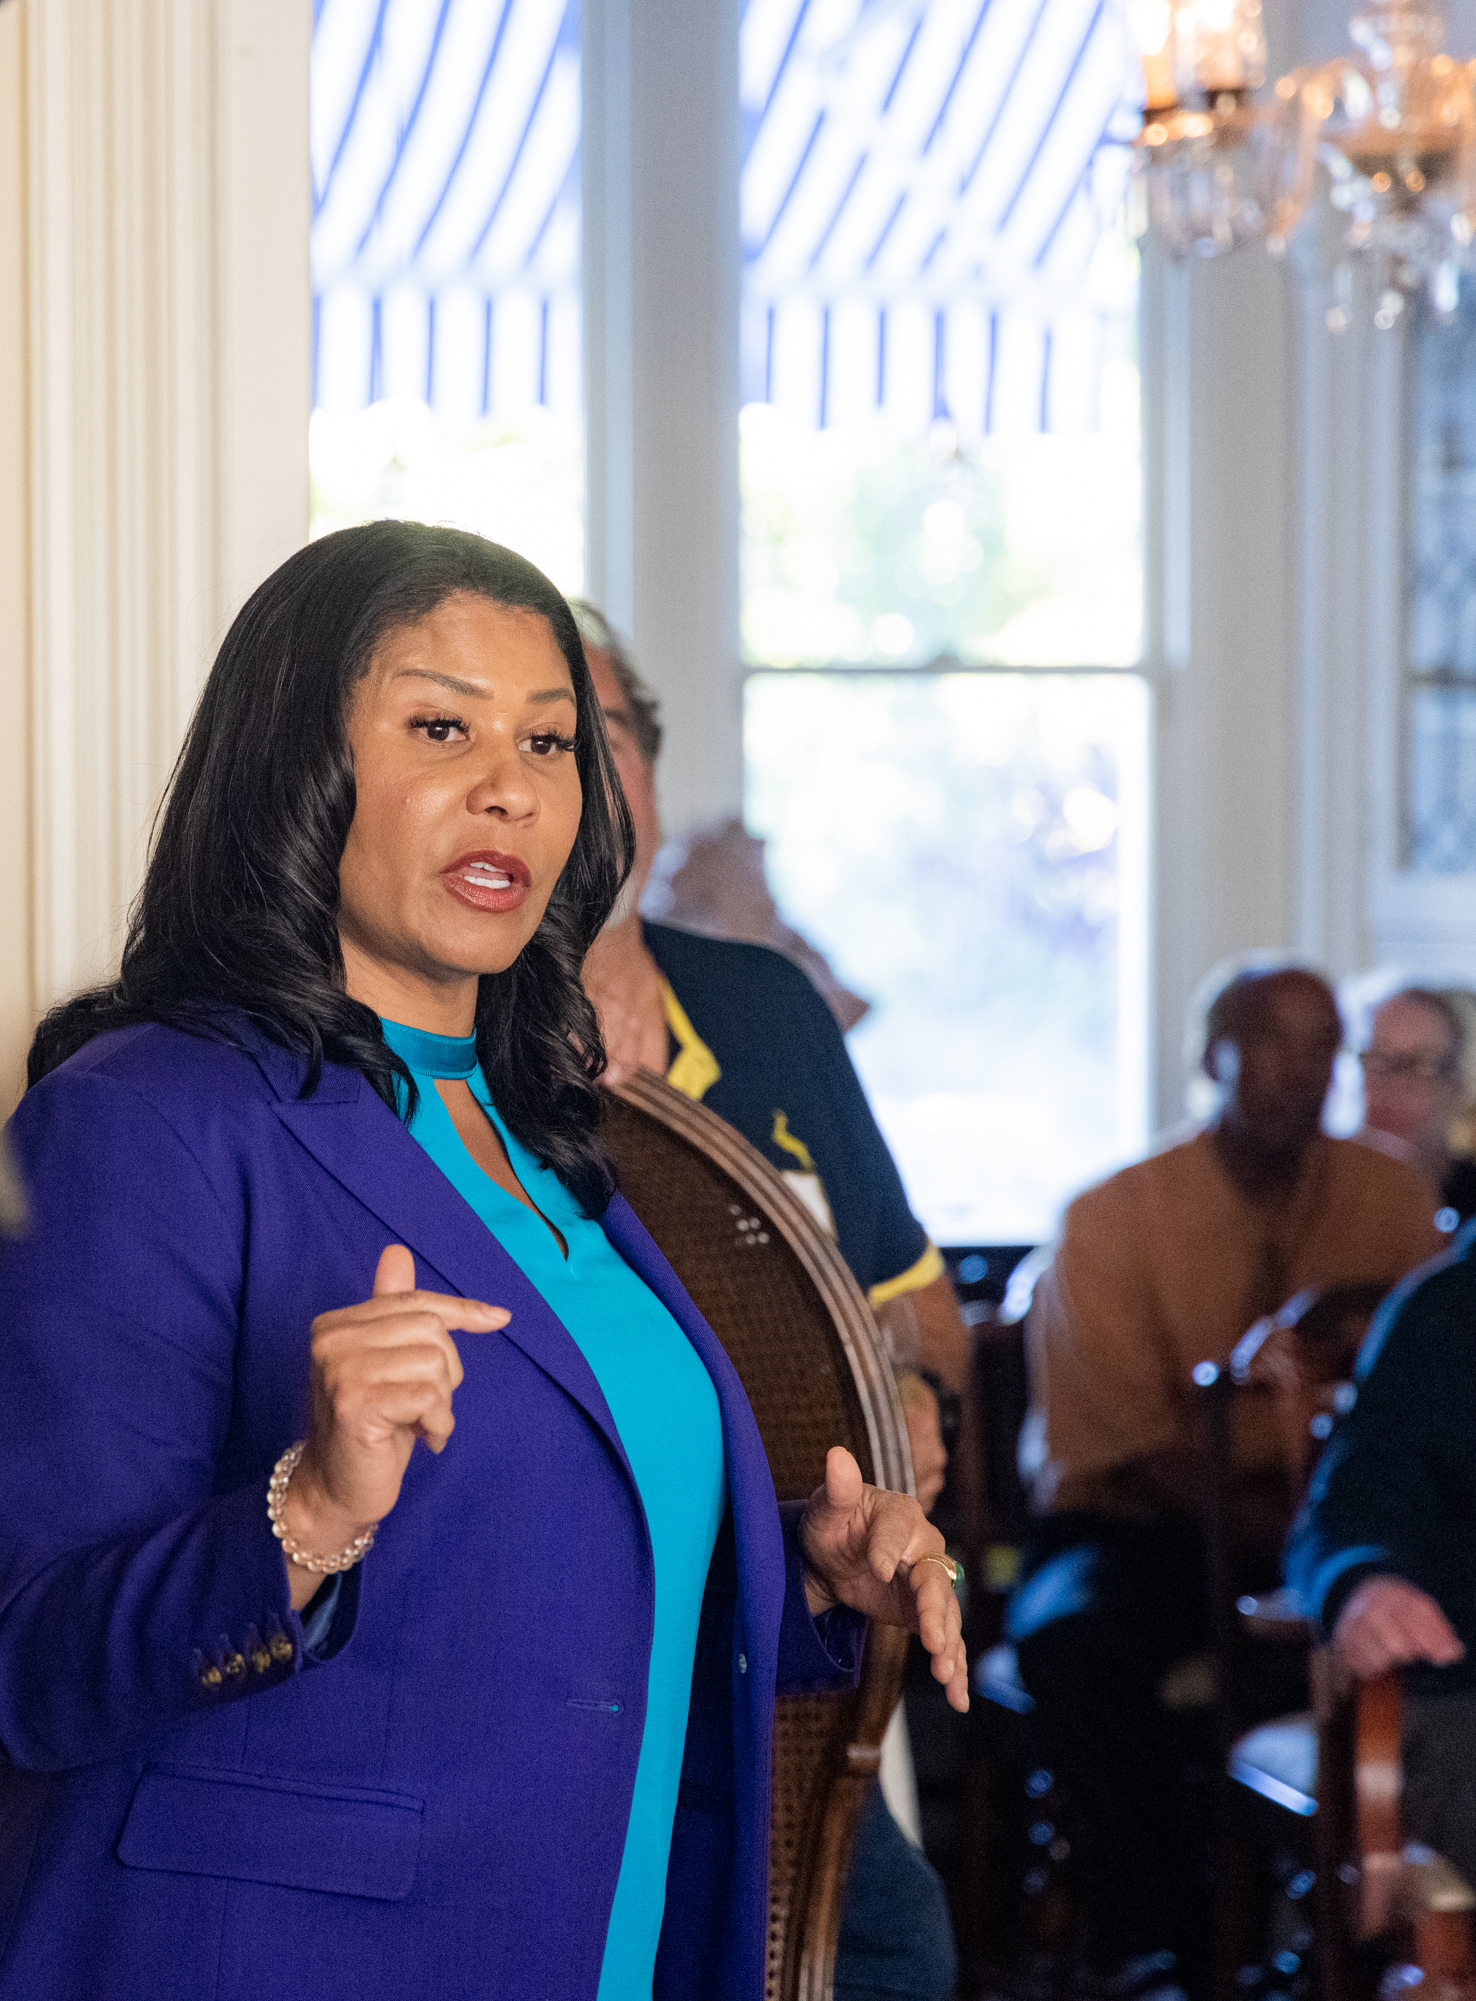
x=1378, y=1781
x=1436, y=1903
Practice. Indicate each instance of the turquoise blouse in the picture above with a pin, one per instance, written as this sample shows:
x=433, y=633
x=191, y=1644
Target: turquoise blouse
x=666, y=1412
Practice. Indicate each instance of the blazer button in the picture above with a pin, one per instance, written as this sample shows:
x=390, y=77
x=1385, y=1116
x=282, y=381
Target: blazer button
x=743, y=1664
x=234, y=1664
x=281, y=1647
x=209, y=1675
x=260, y=1658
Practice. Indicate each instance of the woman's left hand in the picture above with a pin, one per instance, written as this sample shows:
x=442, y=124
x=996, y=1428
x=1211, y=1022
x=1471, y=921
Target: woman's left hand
x=863, y=1548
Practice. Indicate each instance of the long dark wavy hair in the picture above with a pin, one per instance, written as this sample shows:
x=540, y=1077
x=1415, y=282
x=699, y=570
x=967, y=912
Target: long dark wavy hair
x=238, y=914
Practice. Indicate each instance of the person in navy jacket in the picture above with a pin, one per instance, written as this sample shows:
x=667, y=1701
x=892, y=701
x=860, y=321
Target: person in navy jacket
x=1381, y=1552
x=286, y=1705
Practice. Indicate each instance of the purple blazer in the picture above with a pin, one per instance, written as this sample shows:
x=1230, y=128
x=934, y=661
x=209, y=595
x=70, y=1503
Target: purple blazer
x=436, y=1800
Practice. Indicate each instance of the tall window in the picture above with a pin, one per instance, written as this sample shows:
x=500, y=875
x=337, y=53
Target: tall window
x=447, y=369
x=942, y=573
x=1438, y=830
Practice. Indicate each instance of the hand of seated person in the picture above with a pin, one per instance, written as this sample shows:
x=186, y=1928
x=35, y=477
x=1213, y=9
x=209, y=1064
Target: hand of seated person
x=1388, y=1623
x=624, y=982
x=925, y=1330
x=924, y=1438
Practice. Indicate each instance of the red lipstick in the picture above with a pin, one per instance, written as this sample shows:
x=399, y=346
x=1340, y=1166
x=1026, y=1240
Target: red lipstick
x=488, y=880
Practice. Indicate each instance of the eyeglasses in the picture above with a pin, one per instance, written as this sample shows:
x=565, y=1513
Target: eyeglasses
x=1411, y=1069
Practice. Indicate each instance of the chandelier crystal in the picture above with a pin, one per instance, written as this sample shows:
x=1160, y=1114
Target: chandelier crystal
x=1391, y=124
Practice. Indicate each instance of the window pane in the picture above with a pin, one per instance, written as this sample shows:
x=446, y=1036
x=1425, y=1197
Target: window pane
x=1439, y=831
x=940, y=451
x=970, y=852
x=940, y=434
x=447, y=357
x=864, y=545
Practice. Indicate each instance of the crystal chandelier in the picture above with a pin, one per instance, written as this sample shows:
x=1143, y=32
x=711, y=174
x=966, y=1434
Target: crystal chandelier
x=1392, y=123
x=1207, y=165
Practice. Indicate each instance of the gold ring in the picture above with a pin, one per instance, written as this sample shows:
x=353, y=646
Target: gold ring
x=951, y=1564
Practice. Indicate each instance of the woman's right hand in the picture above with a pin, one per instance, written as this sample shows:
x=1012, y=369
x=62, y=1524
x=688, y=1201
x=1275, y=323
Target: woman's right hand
x=383, y=1375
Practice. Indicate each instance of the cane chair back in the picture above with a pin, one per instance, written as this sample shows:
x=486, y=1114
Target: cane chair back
x=776, y=1292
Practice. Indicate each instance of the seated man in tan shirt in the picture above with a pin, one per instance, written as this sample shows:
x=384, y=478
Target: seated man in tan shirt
x=1165, y=1265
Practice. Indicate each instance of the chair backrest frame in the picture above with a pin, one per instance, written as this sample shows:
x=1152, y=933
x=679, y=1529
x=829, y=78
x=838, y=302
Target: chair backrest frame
x=827, y=1749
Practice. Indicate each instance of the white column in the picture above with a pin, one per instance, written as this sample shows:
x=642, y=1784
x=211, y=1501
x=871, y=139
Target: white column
x=167, y=214
x=660, y=156
x=1355, y=904
x=1348, y=515
x=1221, y=549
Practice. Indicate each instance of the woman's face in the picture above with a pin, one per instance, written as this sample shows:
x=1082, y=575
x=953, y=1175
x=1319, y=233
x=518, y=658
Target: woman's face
x=468, y=804
x=1411, y=1075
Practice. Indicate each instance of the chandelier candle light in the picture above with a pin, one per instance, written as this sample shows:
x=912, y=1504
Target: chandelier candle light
x=1392, y=124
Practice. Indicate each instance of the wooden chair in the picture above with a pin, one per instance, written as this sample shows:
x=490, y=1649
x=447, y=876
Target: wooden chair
x=1322, y=1783
x=1291, y=1372
x=1022, y=1827
x=1388, y=1914
x=776, y=1292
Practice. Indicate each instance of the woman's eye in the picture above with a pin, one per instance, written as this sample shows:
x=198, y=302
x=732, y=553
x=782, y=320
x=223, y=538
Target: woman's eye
x=544, y=743
x=439, y=729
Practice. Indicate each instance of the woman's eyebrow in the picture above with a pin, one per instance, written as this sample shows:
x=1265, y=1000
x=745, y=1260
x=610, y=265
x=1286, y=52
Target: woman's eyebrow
x=441, y=680
x=477, y=689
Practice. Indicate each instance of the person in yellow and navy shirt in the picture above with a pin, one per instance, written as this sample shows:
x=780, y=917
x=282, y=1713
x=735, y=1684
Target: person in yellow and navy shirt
x=742, y=1029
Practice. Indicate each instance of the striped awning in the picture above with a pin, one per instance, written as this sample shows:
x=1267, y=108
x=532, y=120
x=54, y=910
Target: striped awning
x=926, y=208
x=445, y=246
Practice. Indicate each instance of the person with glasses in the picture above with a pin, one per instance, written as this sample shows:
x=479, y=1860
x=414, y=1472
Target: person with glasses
x=1381, y=1554
x=740, y=1028
x=1413, y=1086
x=1165, y=1265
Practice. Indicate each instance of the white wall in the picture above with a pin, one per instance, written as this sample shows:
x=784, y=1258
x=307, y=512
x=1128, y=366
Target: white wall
x=155, y=318
x=1274, y=551
x=1221, y=576
x=1358, y=906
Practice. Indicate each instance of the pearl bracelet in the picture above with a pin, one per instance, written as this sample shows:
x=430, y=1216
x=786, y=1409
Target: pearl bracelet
x=345, y=1559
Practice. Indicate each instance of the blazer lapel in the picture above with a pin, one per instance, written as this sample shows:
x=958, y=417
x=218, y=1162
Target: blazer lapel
x=369, y=1152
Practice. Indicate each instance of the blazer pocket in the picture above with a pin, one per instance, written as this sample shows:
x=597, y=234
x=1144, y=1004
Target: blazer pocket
x=341, y=1839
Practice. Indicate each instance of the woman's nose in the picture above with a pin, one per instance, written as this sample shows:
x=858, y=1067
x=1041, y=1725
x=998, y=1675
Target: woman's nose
x=504, y=785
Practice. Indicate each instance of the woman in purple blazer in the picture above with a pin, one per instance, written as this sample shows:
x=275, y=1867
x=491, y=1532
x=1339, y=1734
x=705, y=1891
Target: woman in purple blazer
x=288, y=1707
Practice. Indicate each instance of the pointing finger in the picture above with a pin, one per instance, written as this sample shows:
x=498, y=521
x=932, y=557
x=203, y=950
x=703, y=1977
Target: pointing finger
x=469, y=1315
x=395, y=1271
